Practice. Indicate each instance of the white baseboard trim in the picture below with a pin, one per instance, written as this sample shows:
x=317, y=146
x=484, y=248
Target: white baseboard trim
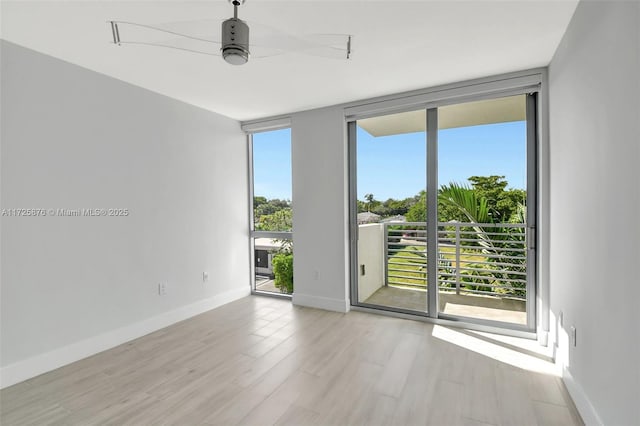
x=326, y=303
x=543, y=336
x=39, y=364
x=586, y=410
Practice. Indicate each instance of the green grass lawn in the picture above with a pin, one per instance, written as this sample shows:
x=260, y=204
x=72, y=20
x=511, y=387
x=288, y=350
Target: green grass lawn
x=408, y=266
x=412, y=260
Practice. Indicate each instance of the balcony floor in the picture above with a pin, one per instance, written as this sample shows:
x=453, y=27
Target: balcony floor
x=473, y=306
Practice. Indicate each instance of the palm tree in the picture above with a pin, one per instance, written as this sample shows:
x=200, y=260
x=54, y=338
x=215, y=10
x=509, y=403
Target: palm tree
x=463, y=198
x=370, y=199
x=495, y=241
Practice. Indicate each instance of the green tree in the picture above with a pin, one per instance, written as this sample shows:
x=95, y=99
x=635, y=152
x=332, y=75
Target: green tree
x=281, y=220
x=283, y=272
x=393, y=207
x=264, y=207
x=510, y=203
x=489, y=187
x=418, y=211
x=371, y=201
x=257, y=201
x=503, y=203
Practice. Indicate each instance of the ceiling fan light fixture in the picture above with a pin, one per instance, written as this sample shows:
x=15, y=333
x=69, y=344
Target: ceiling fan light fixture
x=235, y=41
x=235, y=38
x=235, y=56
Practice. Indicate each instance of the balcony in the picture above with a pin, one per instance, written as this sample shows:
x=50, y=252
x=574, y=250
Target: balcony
x=481, y=268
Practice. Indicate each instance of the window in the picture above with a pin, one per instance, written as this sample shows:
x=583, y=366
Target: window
x=271, y=212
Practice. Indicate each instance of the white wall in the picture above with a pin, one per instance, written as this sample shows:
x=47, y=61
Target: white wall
x=320, y=214
x=72, y=138
x=371, y=243
x=595, y=206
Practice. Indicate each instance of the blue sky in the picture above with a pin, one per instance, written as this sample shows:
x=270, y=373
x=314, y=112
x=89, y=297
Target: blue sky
x=394, y=166
x=272, y=164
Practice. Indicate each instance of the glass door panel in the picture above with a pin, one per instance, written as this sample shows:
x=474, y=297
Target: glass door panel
x=482, y=204
x=391, y=211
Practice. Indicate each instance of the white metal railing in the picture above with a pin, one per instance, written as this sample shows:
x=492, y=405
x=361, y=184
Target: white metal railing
x=473, y=258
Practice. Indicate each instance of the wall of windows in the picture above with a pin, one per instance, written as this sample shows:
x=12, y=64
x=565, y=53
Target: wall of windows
x=443, y=200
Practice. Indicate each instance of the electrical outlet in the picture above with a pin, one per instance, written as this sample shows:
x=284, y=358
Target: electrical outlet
x=573, y=336
x=162, y=289
x=205, y=277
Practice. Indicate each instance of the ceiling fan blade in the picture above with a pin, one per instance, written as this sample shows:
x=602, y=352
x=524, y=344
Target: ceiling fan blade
x=205, y=29
x=204, y=37
x=324, y=45
x=333, y=46
x=159, y=36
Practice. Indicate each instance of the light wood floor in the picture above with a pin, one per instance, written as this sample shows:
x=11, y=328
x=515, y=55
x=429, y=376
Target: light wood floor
x=260, y=361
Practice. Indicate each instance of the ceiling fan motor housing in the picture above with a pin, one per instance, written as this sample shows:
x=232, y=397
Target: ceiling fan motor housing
x=235, y=41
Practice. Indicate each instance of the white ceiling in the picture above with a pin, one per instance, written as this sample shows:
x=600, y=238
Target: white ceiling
x=397, y=46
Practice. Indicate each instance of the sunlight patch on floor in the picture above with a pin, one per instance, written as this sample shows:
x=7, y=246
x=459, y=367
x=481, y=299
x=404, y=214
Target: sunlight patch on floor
x=501, y=351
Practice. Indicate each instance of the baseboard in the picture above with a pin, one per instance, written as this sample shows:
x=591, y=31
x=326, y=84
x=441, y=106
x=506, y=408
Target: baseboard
x=39, y=364
x=580, y=399
x=325, y=303
x=543, y=336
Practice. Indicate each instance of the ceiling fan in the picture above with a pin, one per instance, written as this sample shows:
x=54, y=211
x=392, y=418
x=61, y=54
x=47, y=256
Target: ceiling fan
x=232, y=42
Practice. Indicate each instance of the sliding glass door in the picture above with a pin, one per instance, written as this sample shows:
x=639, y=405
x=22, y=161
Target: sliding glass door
x=443, y=202
x=482, y=210
x=391, y=187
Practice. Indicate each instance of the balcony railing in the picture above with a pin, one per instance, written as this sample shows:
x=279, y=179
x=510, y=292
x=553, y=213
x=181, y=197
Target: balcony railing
x=485, y=259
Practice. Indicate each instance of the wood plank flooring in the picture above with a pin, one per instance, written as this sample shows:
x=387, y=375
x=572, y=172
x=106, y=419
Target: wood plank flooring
x=261, y=361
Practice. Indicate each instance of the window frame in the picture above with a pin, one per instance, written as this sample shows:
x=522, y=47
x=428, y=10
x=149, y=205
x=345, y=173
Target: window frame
x=250, y=130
